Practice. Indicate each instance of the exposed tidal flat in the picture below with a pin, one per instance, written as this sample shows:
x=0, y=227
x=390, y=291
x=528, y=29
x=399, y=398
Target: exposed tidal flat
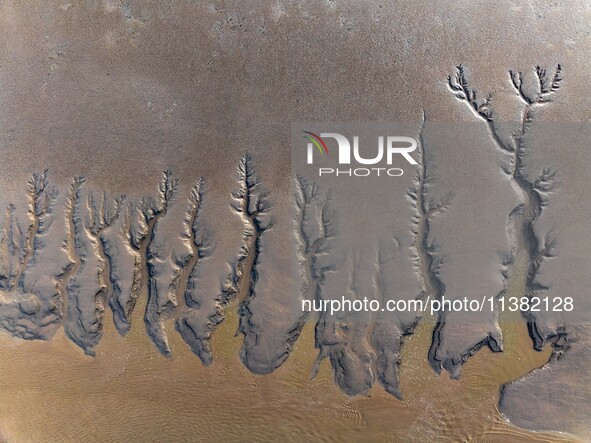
x=184, y=108
x=51, y=391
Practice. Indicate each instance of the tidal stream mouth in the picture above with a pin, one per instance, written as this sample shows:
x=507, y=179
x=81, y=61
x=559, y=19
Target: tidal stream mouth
x=130, y=392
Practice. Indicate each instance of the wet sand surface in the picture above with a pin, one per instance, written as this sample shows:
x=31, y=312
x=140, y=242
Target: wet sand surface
x=52, y=392
x=122, y=92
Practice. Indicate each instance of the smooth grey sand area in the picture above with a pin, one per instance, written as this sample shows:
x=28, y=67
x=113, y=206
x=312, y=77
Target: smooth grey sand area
x=154, y=184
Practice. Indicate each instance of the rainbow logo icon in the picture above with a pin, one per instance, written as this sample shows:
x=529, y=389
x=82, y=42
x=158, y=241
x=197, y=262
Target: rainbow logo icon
x=318, y=142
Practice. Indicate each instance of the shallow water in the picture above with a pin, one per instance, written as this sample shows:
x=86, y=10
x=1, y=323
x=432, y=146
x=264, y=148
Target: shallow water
x=119, y=91
x=52, y=392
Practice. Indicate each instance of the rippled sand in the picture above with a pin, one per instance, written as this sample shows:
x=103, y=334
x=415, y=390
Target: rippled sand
x=52, y=392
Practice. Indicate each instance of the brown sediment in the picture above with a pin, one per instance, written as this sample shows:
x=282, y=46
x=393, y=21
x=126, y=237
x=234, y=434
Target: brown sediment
x=159, y=392
x=71, y=270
